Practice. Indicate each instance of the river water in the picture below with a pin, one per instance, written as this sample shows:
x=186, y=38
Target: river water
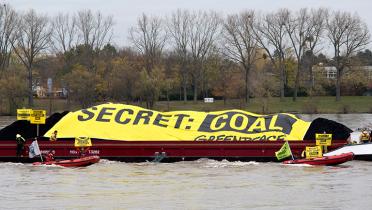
x=202, y=184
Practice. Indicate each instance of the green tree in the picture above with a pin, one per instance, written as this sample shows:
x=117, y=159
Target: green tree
x=150, y=86
x=13, y=89
x=80, y=83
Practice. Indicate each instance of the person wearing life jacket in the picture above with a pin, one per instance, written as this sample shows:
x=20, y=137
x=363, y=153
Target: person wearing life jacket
x=303, y=153
x=20, y=145
x=82, y=151
x=50, y=156
x=53, y=137
x=364, y=137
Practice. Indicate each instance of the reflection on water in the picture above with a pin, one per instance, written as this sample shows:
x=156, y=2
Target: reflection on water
x=202, y=184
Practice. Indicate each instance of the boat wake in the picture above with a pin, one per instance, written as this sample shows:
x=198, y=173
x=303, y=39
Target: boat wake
x=108, y=162
x=297, y=165
x=11, y=164
x=208, y=163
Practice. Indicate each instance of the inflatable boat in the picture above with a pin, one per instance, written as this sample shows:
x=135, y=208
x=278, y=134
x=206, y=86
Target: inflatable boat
x=326, y=160
x=77, y=162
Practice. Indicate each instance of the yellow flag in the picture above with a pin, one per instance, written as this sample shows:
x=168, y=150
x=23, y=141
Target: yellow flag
x=285, y=151
x=83, y=142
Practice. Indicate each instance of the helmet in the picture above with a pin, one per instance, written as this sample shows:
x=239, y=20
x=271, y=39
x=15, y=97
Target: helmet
x=17, y=136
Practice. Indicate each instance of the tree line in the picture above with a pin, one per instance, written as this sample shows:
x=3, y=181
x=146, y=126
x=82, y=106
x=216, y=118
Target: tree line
x=185, y=55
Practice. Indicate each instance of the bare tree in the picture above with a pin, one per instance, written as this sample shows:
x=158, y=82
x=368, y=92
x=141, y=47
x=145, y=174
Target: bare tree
x=203, y=31
x=95, y=30
x=178, y=26
x=32, y=37
x=302, y=28
x=8, y=24
x=64, y=34
x=240, y=43
x=270, y=35
x=347, y=34
x=316, y=27
x=149, y=38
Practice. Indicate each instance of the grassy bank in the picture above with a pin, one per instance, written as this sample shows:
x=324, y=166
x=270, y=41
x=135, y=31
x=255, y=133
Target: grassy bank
x=324, y=104
x=348, y=104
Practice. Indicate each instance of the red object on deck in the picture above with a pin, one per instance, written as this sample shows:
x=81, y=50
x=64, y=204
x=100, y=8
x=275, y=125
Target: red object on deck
x=77, y=162
x=326, y=160
x=136, y=151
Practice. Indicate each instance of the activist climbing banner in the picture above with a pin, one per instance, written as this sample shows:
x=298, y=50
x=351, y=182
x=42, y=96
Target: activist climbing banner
x=131, y=123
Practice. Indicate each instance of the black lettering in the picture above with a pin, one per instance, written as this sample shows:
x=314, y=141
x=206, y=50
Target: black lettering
x=229, y=138
x=271, y=137
x=256, y=138
x=179, y=119
x=145, y=115
x=103, y=112
x=281, y=137
x=286, y=122
x=263, y=137
x=87, y=112
x=212, y=138
x=283, y=121
x=201, y=138
x=120, y=114
x=220, y=137
x=160, y=118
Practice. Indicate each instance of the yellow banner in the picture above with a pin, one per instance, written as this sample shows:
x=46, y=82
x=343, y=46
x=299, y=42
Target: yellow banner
x=37, y=116
x=314, y=152
x=23, y=114
x=83, y=142
x=131, y=123
x=323, y=139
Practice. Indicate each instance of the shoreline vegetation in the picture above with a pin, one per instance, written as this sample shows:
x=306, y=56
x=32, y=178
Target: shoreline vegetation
x=304, y=105
x=251, y=58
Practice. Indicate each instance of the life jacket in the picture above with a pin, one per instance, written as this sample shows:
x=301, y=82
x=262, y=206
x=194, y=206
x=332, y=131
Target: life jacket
x=364, y=137
x=49, y=157
x=20, y=140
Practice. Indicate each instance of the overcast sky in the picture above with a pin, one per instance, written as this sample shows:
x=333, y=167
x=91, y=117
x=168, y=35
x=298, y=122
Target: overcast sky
x=126, y=12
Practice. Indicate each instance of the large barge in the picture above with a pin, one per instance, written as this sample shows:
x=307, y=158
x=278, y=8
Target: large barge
x=130, y=133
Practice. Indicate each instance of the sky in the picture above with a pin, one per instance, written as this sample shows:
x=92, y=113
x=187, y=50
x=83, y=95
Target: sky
x=126, y=12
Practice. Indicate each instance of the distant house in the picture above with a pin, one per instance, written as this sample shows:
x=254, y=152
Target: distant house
x=40, y=92
x=330, y=72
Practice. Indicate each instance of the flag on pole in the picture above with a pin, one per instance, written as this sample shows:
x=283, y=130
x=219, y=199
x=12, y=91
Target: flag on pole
x=34, y=150
x=285, y=151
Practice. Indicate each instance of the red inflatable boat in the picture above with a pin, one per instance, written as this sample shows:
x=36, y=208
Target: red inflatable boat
x=77, y=162
x=329, y=160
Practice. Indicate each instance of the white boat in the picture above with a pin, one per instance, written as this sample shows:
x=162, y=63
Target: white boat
x=361, y=151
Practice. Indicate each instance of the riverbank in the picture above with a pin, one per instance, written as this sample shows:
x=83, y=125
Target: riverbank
x=305, y=105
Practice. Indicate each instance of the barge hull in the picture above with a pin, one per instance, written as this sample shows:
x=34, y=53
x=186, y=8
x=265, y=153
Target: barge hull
x=170, y=151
